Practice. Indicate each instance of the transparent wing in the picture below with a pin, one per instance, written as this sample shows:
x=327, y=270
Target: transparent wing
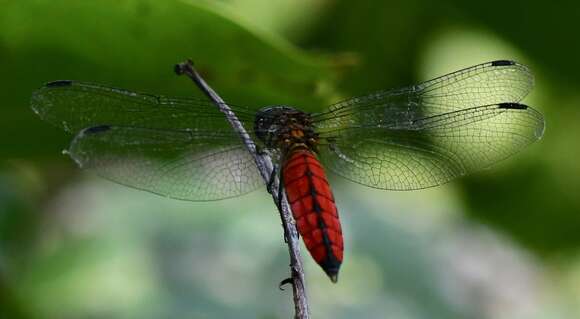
x=430, y=133
x=181, y=164
x=180, y=148
x=484, y=84
x=73, y=106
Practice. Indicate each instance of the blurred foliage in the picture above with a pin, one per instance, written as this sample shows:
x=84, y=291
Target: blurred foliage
x=82, y=248
x=398, y=37
x=134, y=44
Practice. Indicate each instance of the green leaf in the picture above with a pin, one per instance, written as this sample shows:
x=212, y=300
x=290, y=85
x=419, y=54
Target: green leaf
x=134, y=45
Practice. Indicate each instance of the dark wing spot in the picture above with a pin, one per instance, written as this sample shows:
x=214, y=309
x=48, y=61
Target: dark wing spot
x=59, y=83
x=502, y=63
x=516, y=106
x=97, y=129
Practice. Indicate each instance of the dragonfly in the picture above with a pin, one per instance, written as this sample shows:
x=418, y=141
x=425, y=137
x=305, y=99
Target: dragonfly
x=408, y=138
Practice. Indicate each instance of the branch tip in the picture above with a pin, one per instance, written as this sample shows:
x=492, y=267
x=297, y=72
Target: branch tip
x=178, y=69
x=184, y=67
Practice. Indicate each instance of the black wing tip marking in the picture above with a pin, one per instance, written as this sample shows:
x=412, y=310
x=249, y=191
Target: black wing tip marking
x=59, y=83
x=97, y=129
x=503, y=63
x=541, y=124
x=512, y=106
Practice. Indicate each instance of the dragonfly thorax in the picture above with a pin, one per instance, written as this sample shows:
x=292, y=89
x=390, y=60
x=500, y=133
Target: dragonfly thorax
x=285, y=128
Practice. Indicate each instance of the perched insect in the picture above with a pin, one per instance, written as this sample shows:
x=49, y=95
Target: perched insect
x=410, y=138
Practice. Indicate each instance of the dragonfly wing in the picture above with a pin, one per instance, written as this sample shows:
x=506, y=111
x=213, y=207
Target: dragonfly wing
x=181, y=164
x=484, y=84
x=428, y=134
x=74, y=106
x=433, y=150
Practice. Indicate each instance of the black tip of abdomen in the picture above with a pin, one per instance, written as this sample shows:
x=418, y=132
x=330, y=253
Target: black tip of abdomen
x=331, y=266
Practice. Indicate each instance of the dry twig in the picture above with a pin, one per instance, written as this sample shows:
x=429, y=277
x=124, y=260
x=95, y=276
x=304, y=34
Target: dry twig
x=264, y=164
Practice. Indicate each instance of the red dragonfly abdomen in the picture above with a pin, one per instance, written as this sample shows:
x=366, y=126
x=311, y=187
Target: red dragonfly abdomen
x=313, y=208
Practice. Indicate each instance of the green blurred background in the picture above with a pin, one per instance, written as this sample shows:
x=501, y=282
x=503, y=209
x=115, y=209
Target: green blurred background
x=503, y=243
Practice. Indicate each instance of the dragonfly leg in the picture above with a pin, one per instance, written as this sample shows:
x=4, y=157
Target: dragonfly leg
x=279, y=201
x=280, y=192
x=284, y=282
x=272, y=179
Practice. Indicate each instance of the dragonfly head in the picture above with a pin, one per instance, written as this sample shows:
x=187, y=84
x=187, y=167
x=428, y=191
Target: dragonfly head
x=282, y=126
